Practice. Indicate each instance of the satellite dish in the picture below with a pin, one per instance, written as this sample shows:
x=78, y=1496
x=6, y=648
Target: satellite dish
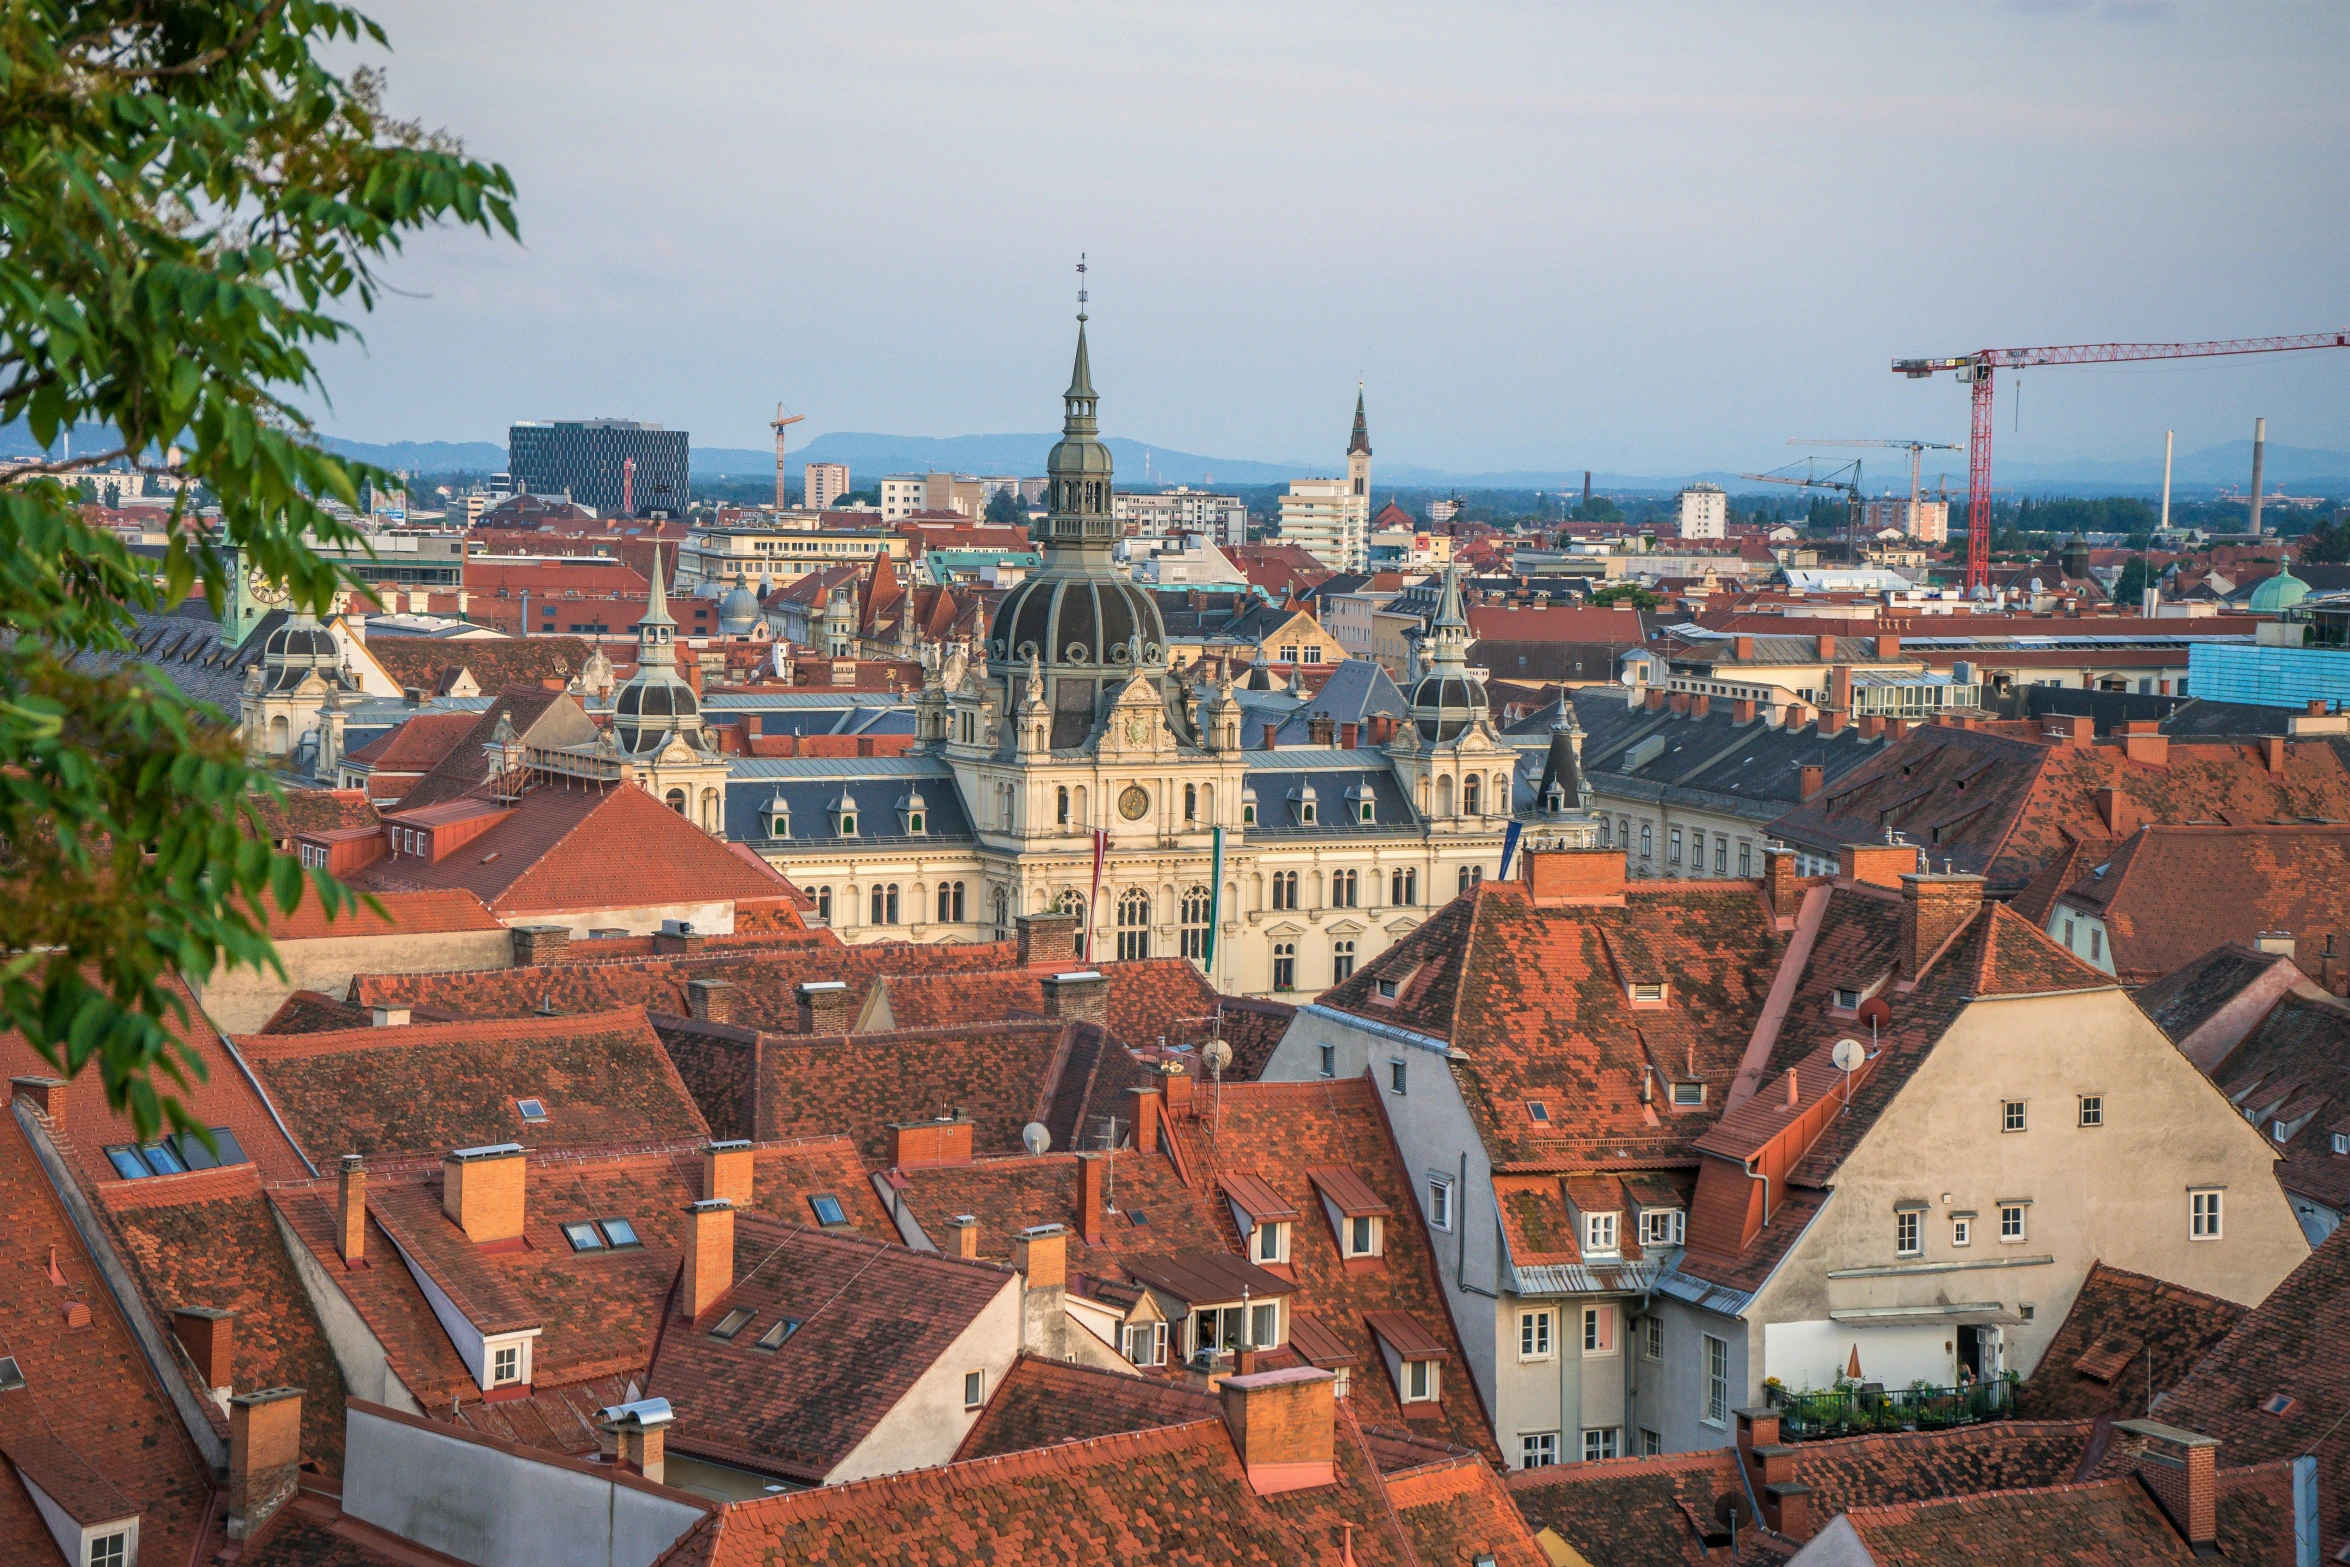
x=1035, y=1138
x=1217, y=1054
x=1875, y=1010
x=1733, y=1511
x=1848, y=1054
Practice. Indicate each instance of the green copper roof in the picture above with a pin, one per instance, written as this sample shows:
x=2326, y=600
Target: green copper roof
x=1081, y=374
x=2282, y=591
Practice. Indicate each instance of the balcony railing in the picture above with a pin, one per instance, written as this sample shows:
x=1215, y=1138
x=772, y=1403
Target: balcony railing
x=1855, y=1411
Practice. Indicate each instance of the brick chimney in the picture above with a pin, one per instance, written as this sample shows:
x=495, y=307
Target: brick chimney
x=351, y=1212
x=966, y=1228
x=639, y=1434
x=2115, y=809
x=540, y=944
x=1350, y=737
x=264, y=1456
x=916, y=1145
x=1742, y=649
x=726, y=1171
x=826, y=1007
x=1321, y=729
x=1811, y=779
x=711, y=1000
x=1146, y=1116
x=2144, y=741
x=209, y=1337
x=1656, y=700
x=1047, y=939
x=1827, y=649
x=1080, y=997
x=2181, y=1468
x=1557, y=878
x=1877, y=864
x=2272, y=753
x=1796, y=716
x=1041, y=1254
x=1932, y=908
x=1840, y=689
x=1831, y=722
x=1678, y=702
x=1271, y=730
x=1888, y=644
x=679, y=942
x=1093, y=1171
x=709, y=1254
x=1284, y=1427
x=1701, y=705
x=2073, y=731
x=1742, y=711
x=482, y=1189
x=1177, y=1083
x=45, y=1094
x=1872, y=726
x=1781, y=887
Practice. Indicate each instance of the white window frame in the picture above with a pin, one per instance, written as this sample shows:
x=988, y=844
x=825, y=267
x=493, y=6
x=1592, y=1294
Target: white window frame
x=1962, y=1229
x=1715, y=1366
x=1154, y=1337
x=1602, y=1234
x=2014, y=1115
x=1603, y=1442
x=1440, y=1203
x=1595, y=1320
x=1663, y=1226
x=1652, y=1337
x=2013, y=1213
x=500, y=1376
x=1535, y=1341
x=2092, y=1110
x=975, y=1390
x=1909, y=1232
x=1538, y=1449
x=2205, y=1214
x=1428, y=1374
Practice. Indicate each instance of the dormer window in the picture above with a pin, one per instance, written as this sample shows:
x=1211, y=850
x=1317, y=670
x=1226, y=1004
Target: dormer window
x=2342, y=1142
x=1420, y=1381
x=1248, y=808
x=777, y=818
x=1308, y=806
x=1652, y=995
x=1663, y=1226
x=844, y=816
x=913, y=811
x=1846, y=1001
x=1270, y=1244
x=505, y=1365
x=1688, y=1095
x=1599, y=1234
x=1387, y=990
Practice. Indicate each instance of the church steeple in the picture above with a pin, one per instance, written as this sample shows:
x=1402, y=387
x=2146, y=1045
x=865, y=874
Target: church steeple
x=1360, y=445
x=1078, y=530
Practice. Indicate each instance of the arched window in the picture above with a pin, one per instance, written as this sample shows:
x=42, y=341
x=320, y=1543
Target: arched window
x=1134, y=925
x=1471, y=875
x=824, y=904
x=280, y=736
x=1501, y=794
x=1195, y=924
x=1285, y=965
x=1342, y=961
x=1444, y=796
x=1342, y=890
x=1003, y=914
x=1285, y=889
x=950, y=903
x=1191, y=802
x=885, y=903
x=1074, y=903
x=709, y=810
x=1403, y=887
x=1063, y=797
x=1469, y=796
x=676, y=801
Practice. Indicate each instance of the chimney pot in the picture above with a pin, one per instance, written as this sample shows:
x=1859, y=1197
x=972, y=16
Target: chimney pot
x=1794, y=1088
x=709, y=1255
x=264, y=1456
x=726, y=1171
x=351, y=1211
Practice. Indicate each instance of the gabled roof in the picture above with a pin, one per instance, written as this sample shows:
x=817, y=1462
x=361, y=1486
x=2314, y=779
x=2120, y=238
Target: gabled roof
x=2168, y=893
x=2127, y=1341
x=1040, y=1403
x=1155, y=1212
x=403, y=913
x=420, y=1090
x=313, y=810
x=421, y=663
x=417, y=745
x=1654, y=1512
x=2191, y=995
x=874, y=1318
x=2104, y=1521
x=1147, y=998
x=2293, y=1073
x=462, y=766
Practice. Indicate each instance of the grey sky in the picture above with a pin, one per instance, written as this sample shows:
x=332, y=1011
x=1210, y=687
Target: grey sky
x=1632, y=237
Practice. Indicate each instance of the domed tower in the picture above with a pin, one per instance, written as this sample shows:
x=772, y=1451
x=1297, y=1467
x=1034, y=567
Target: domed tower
x=1562, y=814
x=738, y=612
x=1447, y=753
x=655, y=705
x=1087, y=630
x=1449, y=700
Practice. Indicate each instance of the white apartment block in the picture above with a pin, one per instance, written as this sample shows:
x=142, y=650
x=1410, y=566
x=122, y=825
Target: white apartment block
x=1328, y=521
x=1223, y=518
x=1932, y=523
x=1705, y=512
x=825, y=483
x=903, y=494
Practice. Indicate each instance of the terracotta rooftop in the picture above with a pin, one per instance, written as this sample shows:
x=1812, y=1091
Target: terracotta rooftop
x=404, y=913
x=424, y=663
x=1040, y=1403
x=1156, y=1212
x=2104, y=1523
x=2191, y=995
x=2127, y=1341
x=2291, y=1075
x=1145, y=999
x=415, y=746
x=2168, y=894
x=313, y=810
x=417, y=1091
x=522, y=703
x=1643, y=1512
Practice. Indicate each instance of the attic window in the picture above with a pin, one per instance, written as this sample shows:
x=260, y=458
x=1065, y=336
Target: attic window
x=2342, y=1142
x=11, y=1378
x=1387, y=993
x=1689, y=1093
x=773, y=1338
x=1649, y=993
x=828, y=1210
x=531, y=1109
x=2279, y=1404
x=1536, y=1110
x=733, y=1322
x=1847, y=1001
x=175, y=1155
x=601, y=1235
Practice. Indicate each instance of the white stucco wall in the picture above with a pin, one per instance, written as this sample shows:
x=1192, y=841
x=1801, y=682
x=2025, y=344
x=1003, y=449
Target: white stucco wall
x=926, y=1426
x=240, y=1000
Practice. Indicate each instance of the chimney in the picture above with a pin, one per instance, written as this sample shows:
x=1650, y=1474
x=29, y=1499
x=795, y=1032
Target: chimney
x=1284, y=1427
x=826, y=1007
x=677, y=938
x=351, y=1212
x=1047, y=939
x=711, y=1000
x=2181, y=1468
x=1176, y=1082
x=2272, y=751
x=1270, y=743
x=2115, y=810
x=918, y=1145
x=1742, y=649
x=639, y=1434
x=1888, y=644
x=966, y=1228
x=1840, y=689
x=1702, y=705
x=2277, y=943
x=1827, y=642
x=1146, y=1116
x=1831, y=722
x=1656, y=700
x=1872, y=727
x=1781, y=886
x=2144, y=741
x=1093, y=1170
x=709, y=1254
x=726, y=1171
x=1932, y=908
x=45, y=1094
x=1558, y=878
x=387, y=1017
x=1794, y=1089
x=1877, y=864
x=1321, y=729
x=1796, y=717
x=264, y=1456
x=209, y=1337
x=1742, y=711
x=1041, y=1255
x=1812, y=778
x=1081, y=997
x=1350, y=737
x=482, y=1190
x=2072, y=730
x=1678, y=702
x=540, y=944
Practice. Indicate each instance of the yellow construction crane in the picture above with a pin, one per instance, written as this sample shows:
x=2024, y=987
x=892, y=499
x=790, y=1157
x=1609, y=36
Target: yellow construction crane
x=777, y=425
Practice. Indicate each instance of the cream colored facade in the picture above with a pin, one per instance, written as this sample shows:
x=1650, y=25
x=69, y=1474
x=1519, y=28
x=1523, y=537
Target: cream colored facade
x=1326, y=519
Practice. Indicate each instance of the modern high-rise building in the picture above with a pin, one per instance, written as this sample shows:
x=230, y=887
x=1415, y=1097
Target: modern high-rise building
x=1331, y=518
x=1223, y=518
x=590, y=461
x=1931, y=525
x=826, y=482
x=1705, y=512
x=903, y=494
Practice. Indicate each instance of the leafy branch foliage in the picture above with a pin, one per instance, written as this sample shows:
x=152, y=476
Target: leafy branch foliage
x=187, y=195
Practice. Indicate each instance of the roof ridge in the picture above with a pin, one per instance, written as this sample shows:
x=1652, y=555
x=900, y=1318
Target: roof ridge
x=288, y=1047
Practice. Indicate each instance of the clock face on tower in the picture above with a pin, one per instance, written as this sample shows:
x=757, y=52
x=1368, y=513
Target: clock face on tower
x=1133, y=802
x=264, y=588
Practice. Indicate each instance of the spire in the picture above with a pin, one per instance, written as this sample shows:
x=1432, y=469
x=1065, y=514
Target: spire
x=1561, y=789
x=1080, y=385
x=657, y=602
x=1448, y=633
x=1448, y=606
x=1362, y=436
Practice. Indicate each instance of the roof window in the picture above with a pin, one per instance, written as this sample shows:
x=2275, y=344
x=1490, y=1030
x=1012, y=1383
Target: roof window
x=1847, y=1001
x=1653, y=995
x=2279, y=1404
x=828, y=1209
x=601, y=1235
x=533, y=1110
x=11, y=1376
x=774, y=1337
x=1689, y=1093
x=733, y=1322
x=1537, y=1111
x=175, y=1155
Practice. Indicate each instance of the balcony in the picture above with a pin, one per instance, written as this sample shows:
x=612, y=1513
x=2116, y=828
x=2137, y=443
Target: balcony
x=1866, y=1408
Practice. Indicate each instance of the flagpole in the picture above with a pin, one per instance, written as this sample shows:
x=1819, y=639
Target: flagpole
x=1093, y=908
x=1215, y=905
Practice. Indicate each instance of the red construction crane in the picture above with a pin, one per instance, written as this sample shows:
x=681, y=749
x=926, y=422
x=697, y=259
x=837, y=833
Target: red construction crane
x=1977, y=367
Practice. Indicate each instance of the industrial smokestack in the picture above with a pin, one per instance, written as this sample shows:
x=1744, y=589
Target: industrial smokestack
x=2259, y=451
x=1586, y=486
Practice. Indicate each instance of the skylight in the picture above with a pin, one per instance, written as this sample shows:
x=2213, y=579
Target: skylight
x=175, y=1155
x=583, y=1236
x=11, y=1378
x=601, y=1234
x=733, y=1322
x=620, y=1232
x=1536, y=1110
x=828, y=1209
x=773, y=1338
x=531, y=1109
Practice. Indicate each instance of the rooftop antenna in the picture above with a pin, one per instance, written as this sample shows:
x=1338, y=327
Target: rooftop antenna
x=1081, y=294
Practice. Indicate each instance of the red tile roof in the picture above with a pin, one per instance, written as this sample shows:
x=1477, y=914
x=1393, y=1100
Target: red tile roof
x=1641, y=1512
x=404, y=913
x=2168, y=894
x=2127, y=1340
x=423, y=663
x=2106, y=1523
x=1156, y=1213
x=566, y=850
x=417, y=745
x=309, y=1012
x=420, y=1090
x=1043, y=1402
x=2292, y=1072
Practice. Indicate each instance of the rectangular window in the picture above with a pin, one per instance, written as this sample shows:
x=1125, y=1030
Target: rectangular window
x=1599, y=1232
x=1721, y=856
x=1419, y=1383
x=1689, y=1093
x=1599, y=1444
x=110, y=1550
x=1674, y=855
x=1533, y=1335
x=2096, y=944
x=1395, y=1077
x=1440, y=1202
x=1663, y=1226
x=1264, y=1325
x=1745, y=860
x=2011, y=1115
x=1538, y=1449
x=1962, y=1230
x=2011, y=1221
x=2092, y=1109
x=1717, y=1380
x=506, y=1364
x=1146, y=1343
x=1358, y=1238
x=1651, y=1444
x=1599, y=1330
x=974, y=1389
x=1652, y=1337
x=1906, y=1231
x=2203, y=1216
x=1269, y=1242
x=827, y=1209
x=1329, y=1060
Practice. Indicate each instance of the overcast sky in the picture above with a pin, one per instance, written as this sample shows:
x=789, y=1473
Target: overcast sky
x=1634, y=237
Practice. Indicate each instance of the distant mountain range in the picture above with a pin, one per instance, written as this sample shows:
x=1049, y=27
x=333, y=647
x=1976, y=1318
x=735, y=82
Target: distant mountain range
x=2302, y=469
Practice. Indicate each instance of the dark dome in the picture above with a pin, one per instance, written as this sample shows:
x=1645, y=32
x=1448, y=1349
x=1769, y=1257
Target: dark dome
x=311, y=643
x=645, y=713
x=1445, y=705
x=1258, y=678
x=1076, y=620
